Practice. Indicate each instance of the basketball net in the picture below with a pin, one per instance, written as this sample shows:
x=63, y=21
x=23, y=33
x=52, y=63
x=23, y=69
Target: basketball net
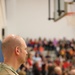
x=70, y=16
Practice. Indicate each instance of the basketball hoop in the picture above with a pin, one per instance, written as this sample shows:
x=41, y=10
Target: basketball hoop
x=70, y=16
x=70, y=13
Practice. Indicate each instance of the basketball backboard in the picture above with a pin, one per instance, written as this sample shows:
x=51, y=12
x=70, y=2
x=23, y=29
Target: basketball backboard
x=60, y=9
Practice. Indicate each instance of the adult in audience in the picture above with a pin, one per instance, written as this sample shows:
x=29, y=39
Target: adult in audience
x=58, y=70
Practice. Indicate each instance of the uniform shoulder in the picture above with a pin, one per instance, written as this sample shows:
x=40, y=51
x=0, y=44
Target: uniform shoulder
x=5, y=71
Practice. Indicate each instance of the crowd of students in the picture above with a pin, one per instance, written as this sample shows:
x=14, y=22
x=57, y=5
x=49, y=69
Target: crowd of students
x=39, y=63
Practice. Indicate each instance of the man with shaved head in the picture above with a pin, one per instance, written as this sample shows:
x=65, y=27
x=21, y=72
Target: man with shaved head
x=72, y=72
x=58, y=70
x=14, y=51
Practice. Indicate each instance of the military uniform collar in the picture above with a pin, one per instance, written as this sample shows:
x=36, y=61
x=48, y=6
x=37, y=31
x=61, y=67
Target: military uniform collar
x=9, y=67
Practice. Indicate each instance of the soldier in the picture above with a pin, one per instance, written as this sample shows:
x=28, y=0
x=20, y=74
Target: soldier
x=14, y=51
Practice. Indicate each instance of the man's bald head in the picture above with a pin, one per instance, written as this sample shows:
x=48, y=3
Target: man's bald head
x=10, y=42
x=72, y=72
x=58, y=70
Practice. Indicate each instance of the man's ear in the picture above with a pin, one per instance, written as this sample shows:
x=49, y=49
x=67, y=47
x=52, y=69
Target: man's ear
x=17, y=50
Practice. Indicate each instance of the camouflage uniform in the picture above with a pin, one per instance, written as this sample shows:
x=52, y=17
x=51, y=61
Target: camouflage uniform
x=7, y=70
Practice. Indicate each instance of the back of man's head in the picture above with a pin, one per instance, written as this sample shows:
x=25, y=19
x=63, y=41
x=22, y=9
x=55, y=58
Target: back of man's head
x=72, y=72
x=58, y=70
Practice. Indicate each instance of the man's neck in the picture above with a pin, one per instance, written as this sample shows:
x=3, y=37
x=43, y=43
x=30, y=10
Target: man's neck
x=14, y=64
